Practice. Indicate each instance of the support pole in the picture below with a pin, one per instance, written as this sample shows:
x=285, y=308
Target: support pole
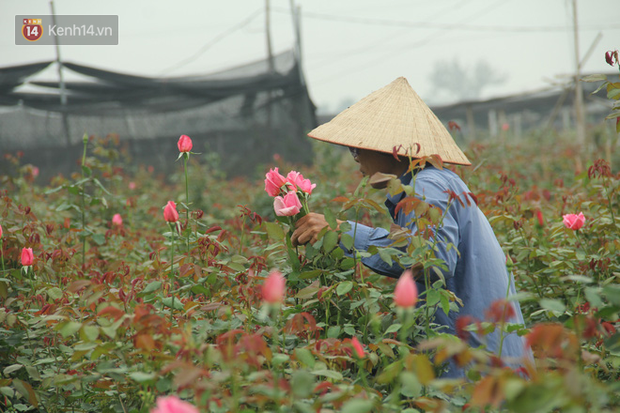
x=579, y=111
x=268, y=37
x=61, y=81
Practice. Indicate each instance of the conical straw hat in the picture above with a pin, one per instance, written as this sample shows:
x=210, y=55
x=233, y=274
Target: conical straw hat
x=392, y=117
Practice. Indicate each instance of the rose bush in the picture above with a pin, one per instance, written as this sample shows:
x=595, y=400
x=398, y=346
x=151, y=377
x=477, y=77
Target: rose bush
x=120, y=323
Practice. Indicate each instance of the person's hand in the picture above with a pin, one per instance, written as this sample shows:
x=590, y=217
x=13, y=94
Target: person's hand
x=308, y=227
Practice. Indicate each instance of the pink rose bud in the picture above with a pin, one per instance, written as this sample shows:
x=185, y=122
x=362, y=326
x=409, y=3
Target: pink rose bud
x=35, y=171
x=273, y=182
x=539, y=217
x=0, y=231
x=27, y=257
x=170, y=212
x=184, y=143
x=117, y=220
x=132, y=185
x=573, y=221
x=172, y=404
x=406, y=291
x=298, y=180
x=274, y=288
x=288, y=205
x=357, y=346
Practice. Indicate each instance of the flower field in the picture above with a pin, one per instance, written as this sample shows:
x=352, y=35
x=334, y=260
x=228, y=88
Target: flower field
x=109, y=300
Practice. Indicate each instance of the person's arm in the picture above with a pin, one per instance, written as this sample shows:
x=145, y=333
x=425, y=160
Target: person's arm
x=365, y=237
x=309, y=226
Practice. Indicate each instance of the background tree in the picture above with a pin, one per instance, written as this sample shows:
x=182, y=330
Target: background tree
x=454, y=82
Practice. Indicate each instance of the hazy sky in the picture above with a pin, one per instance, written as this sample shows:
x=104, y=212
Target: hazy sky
x=350, y=48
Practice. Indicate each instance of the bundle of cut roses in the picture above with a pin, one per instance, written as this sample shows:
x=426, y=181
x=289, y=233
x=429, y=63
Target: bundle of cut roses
x=290, y=193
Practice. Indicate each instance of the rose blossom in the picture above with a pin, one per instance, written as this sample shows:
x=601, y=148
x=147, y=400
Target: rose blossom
x=184, y=144
x=274, y=181
x=170, y=212
x=172, y=404
x=27, y=257
x=273, y=288
x=298, y=180
x=573, y=221
x=288, y=205
x=117, y=220
x=406, y=291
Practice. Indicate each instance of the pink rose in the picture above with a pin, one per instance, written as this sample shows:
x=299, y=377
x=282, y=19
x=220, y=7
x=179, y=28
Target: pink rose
x=27, y=257
x=298, y=180
x=406, y=291
x=117, y=220
x=170, y=212
x=274, y=288
x=0, y=231
x=288, y=205
x=573, y=221
x=184, y=144
x=172, y=404
x=132, y=185
x=273, y=182
x=357, y=346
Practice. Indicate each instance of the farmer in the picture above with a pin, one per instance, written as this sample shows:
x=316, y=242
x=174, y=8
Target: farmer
x=381, y=130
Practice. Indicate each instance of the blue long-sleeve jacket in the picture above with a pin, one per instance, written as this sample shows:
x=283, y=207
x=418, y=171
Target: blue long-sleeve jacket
x=476, y=274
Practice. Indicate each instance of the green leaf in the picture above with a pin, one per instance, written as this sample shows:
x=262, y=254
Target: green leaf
x=99, y=239
x=344, y=287
x=445, y=302
x=10, y=369
x=578, y=278
x=432, y=297
x=328, y=373
x=593, y=295
x=612, y=292
x=308, y=275
x=142, y=377
x=302, y=383
x=386, y=256
x=178, y=305
x=598, y=77
x=69, y=328
x=330, y=218
x=91, y=333
x=54, y=293
x=347, y=241
x=308, y=292
x=25, y=389
x=410, y=385
x=357, y=406
x=279, y=359
x=274, y=231
x=393, y=328
x=333, y=332
x=330, y=240
x=553, y=305
x=613, y=93
x=154, y=286
x=305, y=356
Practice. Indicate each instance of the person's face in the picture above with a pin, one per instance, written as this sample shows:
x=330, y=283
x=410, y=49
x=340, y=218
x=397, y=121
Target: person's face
x=372, y=162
